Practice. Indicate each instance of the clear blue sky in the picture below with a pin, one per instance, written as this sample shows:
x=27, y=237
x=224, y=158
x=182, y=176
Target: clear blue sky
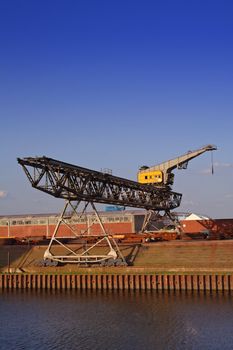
x=117, y=84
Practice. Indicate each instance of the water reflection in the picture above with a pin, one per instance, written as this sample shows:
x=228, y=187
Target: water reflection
x=115, y=320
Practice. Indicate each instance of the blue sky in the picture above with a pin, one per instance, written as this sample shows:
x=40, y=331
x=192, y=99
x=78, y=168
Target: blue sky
x=117, y=84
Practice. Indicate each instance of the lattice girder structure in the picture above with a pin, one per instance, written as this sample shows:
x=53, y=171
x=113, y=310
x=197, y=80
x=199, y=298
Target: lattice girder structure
x=63, y=180
x=78, y=184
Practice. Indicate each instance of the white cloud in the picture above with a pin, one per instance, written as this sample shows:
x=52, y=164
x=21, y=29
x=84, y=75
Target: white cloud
x=223, y=165
x=228, y=195
x=3, y=194
x=206, y=171
x=216, y=165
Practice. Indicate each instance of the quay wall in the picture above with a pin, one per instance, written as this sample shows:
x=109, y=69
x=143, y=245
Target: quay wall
x=150, y=282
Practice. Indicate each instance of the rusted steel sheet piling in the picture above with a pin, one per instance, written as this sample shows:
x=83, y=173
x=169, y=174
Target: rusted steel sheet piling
x=158, y=282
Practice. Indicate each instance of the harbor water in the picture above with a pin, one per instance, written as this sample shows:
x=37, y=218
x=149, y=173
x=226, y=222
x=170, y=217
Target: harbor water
x=125, y=320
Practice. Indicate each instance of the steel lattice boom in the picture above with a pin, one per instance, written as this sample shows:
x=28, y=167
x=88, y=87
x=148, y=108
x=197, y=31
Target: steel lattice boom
x=67, y=181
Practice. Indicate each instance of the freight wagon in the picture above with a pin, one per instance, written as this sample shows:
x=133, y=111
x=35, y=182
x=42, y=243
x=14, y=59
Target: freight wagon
x=127, y=224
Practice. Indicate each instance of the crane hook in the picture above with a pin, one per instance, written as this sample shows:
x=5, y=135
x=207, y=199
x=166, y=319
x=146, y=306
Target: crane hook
x=212, y=164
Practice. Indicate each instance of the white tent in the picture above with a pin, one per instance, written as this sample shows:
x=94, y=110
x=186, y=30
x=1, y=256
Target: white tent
x=196, y=217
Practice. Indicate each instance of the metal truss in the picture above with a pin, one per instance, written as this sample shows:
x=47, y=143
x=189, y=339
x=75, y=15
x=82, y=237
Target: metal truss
x=90, y=249
x=153, y=219
x=72, y=182
x=77, y=184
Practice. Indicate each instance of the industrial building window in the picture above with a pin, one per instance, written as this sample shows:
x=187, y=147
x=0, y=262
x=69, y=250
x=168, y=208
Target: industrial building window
x=3, y=223
x=104, y=219
x=53, y=220
x=82, y=220
x=93, y=219
x=17, y=222
x=77, y=220
x=42, y=222
x=35, y=222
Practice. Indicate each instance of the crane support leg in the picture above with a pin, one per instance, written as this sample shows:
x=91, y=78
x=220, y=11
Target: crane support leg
x=153, y=220
x=90, y=248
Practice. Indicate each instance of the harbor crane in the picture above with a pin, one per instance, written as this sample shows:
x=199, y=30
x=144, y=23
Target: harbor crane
x=162, y=175
x=78, y=185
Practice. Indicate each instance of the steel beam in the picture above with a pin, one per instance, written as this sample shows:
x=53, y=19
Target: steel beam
x=71, y=182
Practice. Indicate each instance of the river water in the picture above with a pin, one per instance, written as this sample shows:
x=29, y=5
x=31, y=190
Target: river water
x=115, y=320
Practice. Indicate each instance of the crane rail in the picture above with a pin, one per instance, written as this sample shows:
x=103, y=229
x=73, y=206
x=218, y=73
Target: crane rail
x=71, y=182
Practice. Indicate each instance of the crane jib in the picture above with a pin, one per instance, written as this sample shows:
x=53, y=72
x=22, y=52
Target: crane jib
x=161, y=174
